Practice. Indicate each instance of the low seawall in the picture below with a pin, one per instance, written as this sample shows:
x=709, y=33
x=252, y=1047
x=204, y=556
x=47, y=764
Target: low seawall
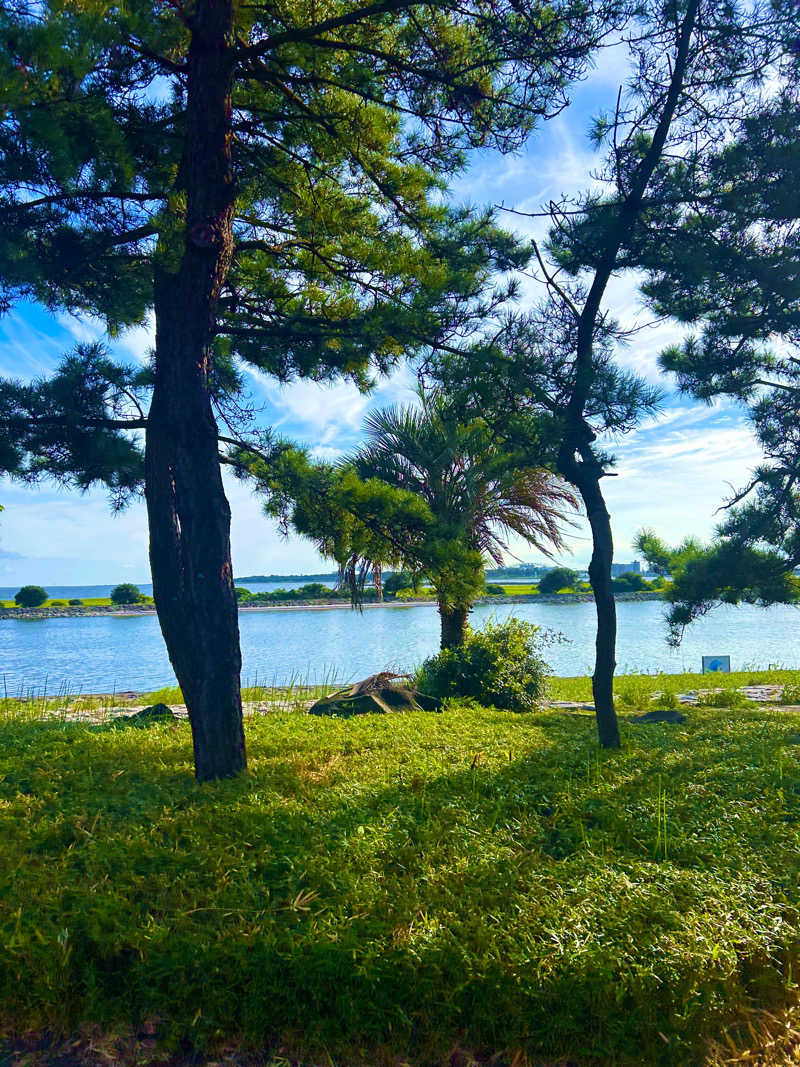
x=327, y=605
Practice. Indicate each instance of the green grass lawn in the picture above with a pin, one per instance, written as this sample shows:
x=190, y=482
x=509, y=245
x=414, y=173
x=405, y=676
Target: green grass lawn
x=394, y=886
x=86, y=602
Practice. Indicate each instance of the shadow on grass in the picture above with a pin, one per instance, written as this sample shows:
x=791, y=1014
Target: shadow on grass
x=400, y=882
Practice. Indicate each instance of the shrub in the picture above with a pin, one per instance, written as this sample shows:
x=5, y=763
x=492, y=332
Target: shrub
x=243, y=594
x=499, y=665
x=725, y=698
x=30, y=596
x=630, y=582
x=397, y=581
x=313, y=591
x=790, y=695
x=557, y=578
x=126, y=593
x=634, y=692
x=666, y=701
x=58, y=603
x=495, y=590
x=75, y=603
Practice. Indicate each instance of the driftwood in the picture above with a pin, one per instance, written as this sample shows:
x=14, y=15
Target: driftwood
x=377, y=694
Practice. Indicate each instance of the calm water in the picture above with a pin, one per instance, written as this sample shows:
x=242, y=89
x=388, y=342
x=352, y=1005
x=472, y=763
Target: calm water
x=96, y=654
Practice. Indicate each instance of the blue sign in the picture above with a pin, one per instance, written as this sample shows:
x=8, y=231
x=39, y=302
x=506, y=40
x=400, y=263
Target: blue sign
x=716, y=664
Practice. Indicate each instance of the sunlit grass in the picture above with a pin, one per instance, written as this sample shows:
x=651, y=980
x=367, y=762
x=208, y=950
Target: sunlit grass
x=637, y=690
x=404, y=883
x=31, y=703
x=521, y=590
x=632, y=692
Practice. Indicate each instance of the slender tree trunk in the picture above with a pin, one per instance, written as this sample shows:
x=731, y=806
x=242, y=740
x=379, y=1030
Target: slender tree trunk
x=605, y=605
x=585, y=474
x=454, y=626
x=188, y=513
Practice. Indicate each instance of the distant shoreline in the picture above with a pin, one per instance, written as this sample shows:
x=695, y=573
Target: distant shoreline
x=310, y=605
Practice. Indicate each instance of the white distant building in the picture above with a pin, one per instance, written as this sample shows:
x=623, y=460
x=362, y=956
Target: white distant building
x=625, y=568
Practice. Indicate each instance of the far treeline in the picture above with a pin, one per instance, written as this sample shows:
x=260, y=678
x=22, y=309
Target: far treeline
x=405, y=585
x=34, y=596
x=269, y=186
x=396, y=584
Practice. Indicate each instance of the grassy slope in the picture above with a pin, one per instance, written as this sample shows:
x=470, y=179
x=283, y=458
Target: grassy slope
x=404, y=882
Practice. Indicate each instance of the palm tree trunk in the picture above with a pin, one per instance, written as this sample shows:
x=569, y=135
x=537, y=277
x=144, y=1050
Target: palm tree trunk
x=454, y=626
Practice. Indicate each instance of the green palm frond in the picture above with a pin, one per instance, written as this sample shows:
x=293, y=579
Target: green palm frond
x=473, y=488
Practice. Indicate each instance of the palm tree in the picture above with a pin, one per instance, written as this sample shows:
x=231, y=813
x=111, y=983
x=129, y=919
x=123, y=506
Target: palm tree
x=476, y=493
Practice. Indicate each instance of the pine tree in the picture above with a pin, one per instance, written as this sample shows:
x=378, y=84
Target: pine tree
x=266, y=181
x=728, y=571
x=727, y=261
x=697, y=67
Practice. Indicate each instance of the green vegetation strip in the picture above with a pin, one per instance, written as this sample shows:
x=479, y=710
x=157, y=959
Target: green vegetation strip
x=403, y=882
x=637, y=690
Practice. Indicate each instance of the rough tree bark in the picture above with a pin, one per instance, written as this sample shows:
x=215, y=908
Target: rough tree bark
x=454, y=626
x=188, y=512
x=576, y=460
x=585, y=474
x=606, y=639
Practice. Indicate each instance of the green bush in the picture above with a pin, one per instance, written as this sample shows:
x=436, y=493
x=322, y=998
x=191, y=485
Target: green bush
x=725, y=698
x=243, y=594
x=633, y=692
x=666, y=701
x=790, y=695
x=499, y=665
x=495, y=590
x=396, y=581
x=58, y=603
x=556, y=579
x=126, y=593
x=630, y=582
x=30, y=596
x=75, y=603
x=313, y=591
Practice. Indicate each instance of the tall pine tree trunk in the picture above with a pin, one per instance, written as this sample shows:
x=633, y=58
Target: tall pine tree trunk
x=188, y=512
x=454, y=626
x=585, y=474
x=606, y=639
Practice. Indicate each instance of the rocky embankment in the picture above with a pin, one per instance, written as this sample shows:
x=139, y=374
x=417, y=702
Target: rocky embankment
x=74, y=612
x=148, y=609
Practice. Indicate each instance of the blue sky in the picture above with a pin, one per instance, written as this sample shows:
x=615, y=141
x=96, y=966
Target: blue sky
x=672, y=473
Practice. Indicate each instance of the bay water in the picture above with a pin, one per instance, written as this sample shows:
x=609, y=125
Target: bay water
x=310, y=645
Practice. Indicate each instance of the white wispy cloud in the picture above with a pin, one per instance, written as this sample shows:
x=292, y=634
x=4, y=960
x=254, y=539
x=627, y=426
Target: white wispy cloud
x=326, y=415
x=26, y=349
x=673, y=472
